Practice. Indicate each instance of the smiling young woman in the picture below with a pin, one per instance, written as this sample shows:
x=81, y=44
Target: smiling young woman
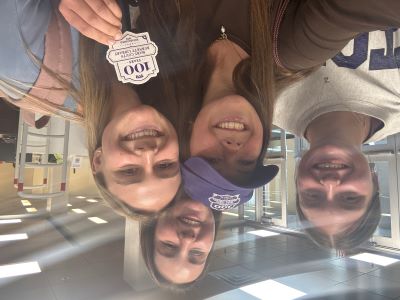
x=176, y=246
x=337, y=194
x=230, y=78
x=350, y=101
x=47, y=68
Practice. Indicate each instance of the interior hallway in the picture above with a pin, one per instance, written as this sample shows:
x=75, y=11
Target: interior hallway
x=81, y=259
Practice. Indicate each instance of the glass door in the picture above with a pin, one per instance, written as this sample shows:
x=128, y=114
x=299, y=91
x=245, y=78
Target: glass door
x=384, y=157
x=271, y=199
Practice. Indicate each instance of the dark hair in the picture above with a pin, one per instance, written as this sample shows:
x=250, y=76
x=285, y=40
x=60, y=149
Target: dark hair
x=147, y=232
x=183, y=64
x=171, y=25
x=352, y=237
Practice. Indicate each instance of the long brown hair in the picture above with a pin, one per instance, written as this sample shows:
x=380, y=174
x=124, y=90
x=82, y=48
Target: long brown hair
x=171, y=24
x=258, y=78
x=176, y=92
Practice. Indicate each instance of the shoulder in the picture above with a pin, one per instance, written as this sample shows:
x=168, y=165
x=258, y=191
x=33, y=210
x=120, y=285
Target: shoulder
x=24, y=34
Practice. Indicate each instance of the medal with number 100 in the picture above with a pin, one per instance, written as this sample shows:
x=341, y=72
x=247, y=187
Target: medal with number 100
x=134, y=58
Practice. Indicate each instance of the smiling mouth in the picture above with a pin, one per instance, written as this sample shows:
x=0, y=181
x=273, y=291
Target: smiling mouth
x=144, y=133
x=189, y=221
x=231, y=125
x=331, y=166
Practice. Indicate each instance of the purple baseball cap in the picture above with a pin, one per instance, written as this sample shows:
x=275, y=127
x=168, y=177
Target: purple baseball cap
x=203, y=183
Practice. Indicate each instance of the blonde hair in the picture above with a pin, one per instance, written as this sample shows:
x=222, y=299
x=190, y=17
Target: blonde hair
x=97, y=77
x=94, y=95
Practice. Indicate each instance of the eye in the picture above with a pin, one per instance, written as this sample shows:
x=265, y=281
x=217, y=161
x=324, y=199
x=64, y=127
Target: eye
x=311, y=199
x=165, y=165
x=129, y=172
x=197, y=253
x=351, y=198
x=311, y=196
x=169, y=245
x=311, y=203
x=351, y=201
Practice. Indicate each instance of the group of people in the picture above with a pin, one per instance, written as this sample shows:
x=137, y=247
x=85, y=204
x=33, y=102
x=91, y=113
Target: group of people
x=191, y=142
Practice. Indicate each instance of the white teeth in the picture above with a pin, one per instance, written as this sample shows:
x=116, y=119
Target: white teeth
x=231, y=125
x=190, y=221
x=142, y=133
x=331, y=166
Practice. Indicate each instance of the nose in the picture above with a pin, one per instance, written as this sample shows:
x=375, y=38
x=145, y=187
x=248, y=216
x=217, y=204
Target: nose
x=187, y=234
x=232, y=140
x=232, y=144
x=145, y=145
x=330, y=181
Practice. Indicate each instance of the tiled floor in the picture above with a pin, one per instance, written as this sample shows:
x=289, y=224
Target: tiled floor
x=83, y=260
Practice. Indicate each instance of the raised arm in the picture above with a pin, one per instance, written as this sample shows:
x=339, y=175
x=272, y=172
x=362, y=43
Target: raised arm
x=313, y=31
x=23, y=27
x=99, y=20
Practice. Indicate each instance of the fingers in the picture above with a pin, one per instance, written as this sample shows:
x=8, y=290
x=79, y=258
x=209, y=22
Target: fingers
x=108, y=10
x=115, y=9
x=86, y=29
x=95, y=20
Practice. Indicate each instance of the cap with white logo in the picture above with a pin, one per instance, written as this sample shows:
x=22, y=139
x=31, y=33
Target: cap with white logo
x=203, y=183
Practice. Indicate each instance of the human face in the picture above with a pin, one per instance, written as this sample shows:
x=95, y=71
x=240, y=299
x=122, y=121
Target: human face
x=183, y=240
x=228, y=133
x=139, y=159
x=335, y=187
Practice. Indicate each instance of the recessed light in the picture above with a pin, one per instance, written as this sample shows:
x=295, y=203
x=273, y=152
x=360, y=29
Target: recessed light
x=10, y=221
x=19, y=269
x=31, y=209
x=92, y=200
x=271, y=289
x=375, y=259
x=13, y=237
x=78, y=211
x=263, y=233
x=97, y=220
x=80, y=197
x=26, y=203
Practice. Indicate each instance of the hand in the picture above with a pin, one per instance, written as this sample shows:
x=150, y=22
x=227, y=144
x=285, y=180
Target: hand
x=97, y=19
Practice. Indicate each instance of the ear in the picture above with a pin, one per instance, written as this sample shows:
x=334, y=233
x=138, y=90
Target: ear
x=97, y=160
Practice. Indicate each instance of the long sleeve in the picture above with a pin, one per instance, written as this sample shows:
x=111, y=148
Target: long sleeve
x=313, y=31
x=22, y=22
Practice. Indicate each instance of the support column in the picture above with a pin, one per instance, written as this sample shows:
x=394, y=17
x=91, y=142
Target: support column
x=135, y=270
